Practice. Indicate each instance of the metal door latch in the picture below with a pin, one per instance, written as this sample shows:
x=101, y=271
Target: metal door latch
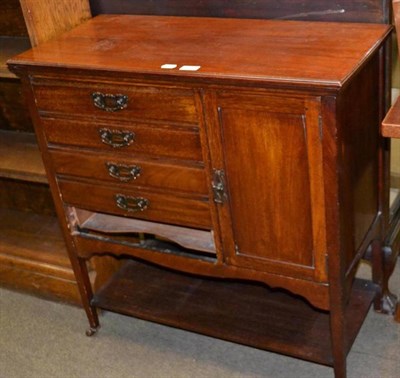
x=219, y=186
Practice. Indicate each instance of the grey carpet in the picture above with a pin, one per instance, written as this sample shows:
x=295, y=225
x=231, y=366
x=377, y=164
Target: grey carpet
x=43, y=339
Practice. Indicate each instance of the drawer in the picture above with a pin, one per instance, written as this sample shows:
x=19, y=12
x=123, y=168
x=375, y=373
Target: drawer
x=137, y=203
x=129, y=171
x=179, y=143
x=115, y=101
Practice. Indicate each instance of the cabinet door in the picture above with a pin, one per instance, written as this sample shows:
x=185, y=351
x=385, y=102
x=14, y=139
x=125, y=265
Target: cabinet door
x=267, y=152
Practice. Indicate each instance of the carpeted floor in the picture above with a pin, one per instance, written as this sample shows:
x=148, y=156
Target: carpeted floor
x=42, y=339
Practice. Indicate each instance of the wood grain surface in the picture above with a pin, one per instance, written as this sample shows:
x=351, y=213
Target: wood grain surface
x=325, y=54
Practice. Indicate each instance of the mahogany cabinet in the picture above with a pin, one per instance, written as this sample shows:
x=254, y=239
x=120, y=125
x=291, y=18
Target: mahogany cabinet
x=226, y=158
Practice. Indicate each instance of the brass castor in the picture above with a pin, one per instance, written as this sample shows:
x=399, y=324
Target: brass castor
x=91, y=331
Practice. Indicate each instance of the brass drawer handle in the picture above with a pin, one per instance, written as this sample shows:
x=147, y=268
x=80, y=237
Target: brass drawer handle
x=116, y=138
x=131, y=204
x=123, y=172
x=109, y=102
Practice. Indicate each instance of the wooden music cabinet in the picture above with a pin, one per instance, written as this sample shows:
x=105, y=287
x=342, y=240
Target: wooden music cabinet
x=226, y=158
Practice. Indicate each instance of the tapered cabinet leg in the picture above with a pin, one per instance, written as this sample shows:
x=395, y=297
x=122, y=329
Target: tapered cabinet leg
x=397, y=314
x=337, y=323
x=85, y=289
x=382, y=268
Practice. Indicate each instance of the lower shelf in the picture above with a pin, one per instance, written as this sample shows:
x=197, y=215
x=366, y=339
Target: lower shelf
x=33, y=256
x=20, y=157
x=10, y=46
x=244, y=313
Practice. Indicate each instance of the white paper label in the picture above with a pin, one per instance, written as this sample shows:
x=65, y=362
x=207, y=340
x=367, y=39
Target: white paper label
x=169, y=66
x=189, y=68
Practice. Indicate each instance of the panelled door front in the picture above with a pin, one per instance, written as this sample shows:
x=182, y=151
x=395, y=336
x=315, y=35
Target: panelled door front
x=266, y=153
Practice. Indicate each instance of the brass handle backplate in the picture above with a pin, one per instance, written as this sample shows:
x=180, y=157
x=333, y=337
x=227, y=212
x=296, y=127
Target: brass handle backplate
x=109, y=102
x=123, y=172
x=131, y=204
x=116, y=138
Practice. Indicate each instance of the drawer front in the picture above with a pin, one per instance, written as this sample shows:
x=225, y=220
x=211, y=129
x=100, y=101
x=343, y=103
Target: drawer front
x=137, y=203
x=115, y=101
x=129, y=171
x=179, y=143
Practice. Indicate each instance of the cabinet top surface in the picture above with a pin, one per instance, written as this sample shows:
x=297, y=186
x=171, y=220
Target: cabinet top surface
x=314, y=53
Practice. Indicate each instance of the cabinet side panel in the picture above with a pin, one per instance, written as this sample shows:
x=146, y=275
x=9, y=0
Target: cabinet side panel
x=269, y=184
x=359, y=145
